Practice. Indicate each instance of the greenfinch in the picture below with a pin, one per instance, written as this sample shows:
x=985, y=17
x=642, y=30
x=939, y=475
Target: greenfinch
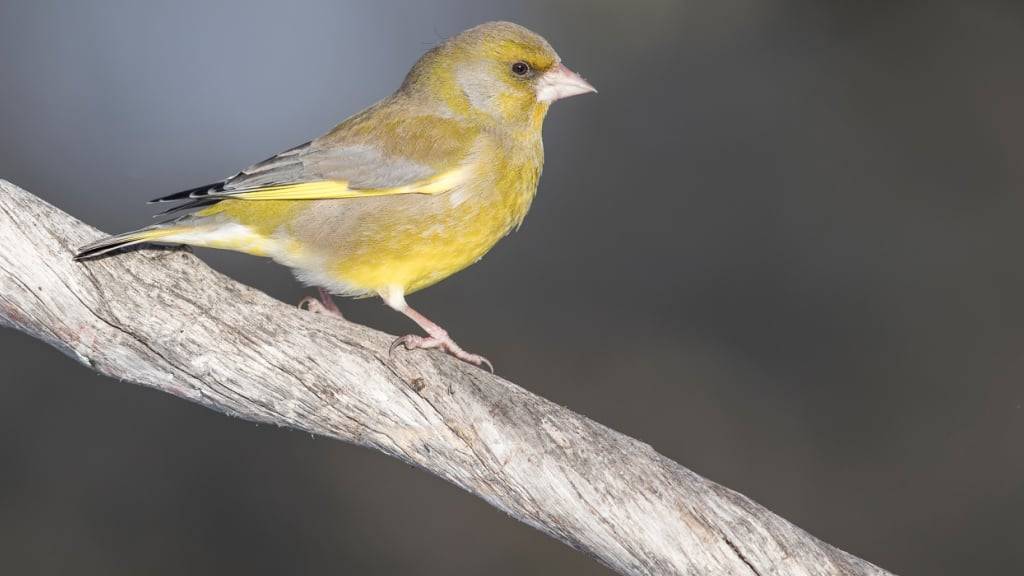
x=401, y=195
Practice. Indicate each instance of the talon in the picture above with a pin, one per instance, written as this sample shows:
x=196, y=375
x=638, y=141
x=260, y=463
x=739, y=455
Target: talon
x=400, y=341
x=490, y=366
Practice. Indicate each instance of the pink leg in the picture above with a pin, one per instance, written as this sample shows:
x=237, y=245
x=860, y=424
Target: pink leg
x=325, y=305
x=437, y=337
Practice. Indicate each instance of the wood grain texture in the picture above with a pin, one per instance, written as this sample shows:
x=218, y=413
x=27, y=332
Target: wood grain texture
x=163, y=319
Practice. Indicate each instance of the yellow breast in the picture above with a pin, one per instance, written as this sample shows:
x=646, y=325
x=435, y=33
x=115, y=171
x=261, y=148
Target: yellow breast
x=414, y=242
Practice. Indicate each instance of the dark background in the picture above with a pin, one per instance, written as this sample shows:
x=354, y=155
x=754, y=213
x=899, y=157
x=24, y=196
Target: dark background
x=782, y=245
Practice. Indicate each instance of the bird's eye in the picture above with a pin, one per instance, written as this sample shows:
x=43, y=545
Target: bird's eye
x=520, y=68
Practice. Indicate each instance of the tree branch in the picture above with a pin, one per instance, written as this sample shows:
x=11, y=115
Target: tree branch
x=163, y=319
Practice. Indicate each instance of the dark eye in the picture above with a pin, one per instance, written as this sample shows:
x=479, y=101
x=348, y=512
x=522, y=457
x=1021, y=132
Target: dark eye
x=520, y=68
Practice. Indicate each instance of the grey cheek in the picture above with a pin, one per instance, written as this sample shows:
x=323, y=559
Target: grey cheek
x=477, y=87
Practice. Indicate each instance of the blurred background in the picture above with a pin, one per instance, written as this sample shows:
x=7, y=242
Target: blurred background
x=782, y=245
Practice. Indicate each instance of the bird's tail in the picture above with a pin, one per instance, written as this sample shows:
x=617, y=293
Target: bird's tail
x=158, y=233
x=193, y=230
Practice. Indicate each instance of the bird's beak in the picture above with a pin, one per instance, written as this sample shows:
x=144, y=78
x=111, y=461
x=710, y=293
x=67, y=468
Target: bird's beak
x=560, y=82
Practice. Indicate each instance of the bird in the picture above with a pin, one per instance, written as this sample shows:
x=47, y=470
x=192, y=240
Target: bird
x=399, y=196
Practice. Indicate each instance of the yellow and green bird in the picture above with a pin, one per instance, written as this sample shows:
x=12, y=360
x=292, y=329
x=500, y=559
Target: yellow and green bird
x=401, y=195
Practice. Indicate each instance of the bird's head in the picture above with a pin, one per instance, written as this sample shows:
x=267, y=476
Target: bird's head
x=498, y=71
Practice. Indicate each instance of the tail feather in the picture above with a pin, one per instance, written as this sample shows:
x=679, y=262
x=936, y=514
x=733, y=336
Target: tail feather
x=111, y=243
x=191, y=230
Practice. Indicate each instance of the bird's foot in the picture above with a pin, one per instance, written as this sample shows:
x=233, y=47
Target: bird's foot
x=412, y=342
x=322, y=305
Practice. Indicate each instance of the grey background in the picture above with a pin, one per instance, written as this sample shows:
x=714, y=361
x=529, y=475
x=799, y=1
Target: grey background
x=782, y=245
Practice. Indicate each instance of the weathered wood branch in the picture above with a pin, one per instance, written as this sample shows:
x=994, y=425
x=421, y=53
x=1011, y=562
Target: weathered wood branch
x=163, y=319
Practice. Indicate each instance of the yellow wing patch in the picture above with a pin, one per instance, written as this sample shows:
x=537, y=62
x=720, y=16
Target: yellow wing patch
x=331, y=189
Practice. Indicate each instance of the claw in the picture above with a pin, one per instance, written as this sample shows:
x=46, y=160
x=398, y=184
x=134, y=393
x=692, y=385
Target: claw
x=400, y=341
x=394, y=344
x=490, y=367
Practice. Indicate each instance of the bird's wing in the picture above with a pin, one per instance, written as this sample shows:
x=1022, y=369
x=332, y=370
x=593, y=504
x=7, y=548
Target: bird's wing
x=413, y=156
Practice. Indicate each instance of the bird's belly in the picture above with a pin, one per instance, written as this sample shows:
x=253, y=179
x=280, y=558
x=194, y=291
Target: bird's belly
x=412, y=256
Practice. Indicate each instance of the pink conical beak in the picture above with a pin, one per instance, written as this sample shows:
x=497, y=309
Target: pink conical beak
x=560, y=82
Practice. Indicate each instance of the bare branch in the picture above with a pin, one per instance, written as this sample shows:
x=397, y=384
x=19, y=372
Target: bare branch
x=163, y=319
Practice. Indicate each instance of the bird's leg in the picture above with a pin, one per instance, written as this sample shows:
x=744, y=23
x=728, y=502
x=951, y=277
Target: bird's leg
x=436, y=337
x=325, y=305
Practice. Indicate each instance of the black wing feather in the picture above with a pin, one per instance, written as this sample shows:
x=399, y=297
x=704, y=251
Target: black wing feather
x=190, y=193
